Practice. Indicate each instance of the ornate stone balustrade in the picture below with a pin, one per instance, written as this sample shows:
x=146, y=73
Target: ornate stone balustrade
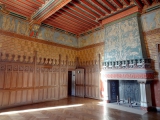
x=128, y=64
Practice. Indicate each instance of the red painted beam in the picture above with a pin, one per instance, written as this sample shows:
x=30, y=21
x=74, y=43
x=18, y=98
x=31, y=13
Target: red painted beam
x=72, y=19
x=121, y=15
x=109, y=5
x=81, y=20
x=80, y=11
x=101, y=6
x=148, y=2
x=12, y=4
x=52, y=11
x=76, y=28
x=28, y=4
x=69, y=21
x=93, y=7
x=80, y=16
x=64, y=27
x=34, y=2
x=126, y=2
x=138, y=3
x=118, y=3
x=86, y=9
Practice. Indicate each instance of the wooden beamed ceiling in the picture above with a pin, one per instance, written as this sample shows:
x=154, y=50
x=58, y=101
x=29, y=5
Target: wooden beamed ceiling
x=75, y=16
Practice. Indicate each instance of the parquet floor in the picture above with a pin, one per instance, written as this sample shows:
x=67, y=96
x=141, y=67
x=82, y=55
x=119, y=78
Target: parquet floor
x=72, y=108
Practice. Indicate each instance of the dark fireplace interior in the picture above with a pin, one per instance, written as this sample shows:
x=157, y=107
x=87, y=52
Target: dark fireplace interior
x=125, y=92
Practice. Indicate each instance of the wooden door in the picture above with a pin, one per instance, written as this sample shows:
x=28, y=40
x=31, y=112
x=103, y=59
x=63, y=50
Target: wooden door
x=79, y=83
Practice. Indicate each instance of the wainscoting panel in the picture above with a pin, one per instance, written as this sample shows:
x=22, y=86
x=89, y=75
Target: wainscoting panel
x=92, y=78
x=27, y=81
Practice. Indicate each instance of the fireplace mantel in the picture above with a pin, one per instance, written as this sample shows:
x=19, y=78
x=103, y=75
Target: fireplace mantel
x=139, y=69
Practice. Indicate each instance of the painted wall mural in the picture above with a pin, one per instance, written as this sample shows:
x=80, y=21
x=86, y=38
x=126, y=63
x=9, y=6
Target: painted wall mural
x=19, y=26
x=92, y=38
x=11, y=24
x=151, y=20
x=122, y=41
x=57, y=37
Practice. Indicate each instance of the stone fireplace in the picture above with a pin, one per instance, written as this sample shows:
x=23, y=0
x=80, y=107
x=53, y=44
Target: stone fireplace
x=129, y=79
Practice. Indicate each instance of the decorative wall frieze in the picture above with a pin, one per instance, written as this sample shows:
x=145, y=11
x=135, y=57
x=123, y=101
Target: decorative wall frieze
x=34, y=30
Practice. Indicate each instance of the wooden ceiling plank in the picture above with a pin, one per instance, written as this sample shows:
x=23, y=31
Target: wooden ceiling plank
x=48, y=13
x=118, y=3
x=148, y=2
x=138, y=3
x=67, y=23
x=63, y=12
x=34, y=2
x=101, y=6
x=68, y=20
x=20, y=5
x=86, y=9
x=126, y=2
x=80, y=11
x=72, y=19
x=17, y=11
x=109, y=5
x=28, y=4
x=60, y=22
x=80, y=16
x=93, y=7
x=64, y=27
x=11, y=4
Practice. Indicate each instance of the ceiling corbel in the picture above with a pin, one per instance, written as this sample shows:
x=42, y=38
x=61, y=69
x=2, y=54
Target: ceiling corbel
x=3, y=9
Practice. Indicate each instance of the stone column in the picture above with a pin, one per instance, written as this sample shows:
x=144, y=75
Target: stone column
x=146, y=101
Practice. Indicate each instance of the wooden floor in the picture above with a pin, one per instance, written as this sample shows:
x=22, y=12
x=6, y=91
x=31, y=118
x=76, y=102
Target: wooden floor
x=72, y=108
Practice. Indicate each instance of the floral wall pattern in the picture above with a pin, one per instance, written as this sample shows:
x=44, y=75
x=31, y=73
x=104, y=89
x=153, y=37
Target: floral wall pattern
x=92, y=38
x=122, y=40
x=57, y=37
x=19, y=26
x=151, y=20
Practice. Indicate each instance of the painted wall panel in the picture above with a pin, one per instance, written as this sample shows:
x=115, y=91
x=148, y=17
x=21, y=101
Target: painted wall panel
x=122, y=40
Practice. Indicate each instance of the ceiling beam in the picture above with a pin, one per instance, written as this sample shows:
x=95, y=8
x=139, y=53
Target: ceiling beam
x=109, y=5
x=64, y=27
x=118, y=3
x=47, y=10
x=127, y=2
x=101, y=6
x=147, y=2
x=121, y=15
x=69, y=21
x=93, y=7
x=80, y=16
x=72, y=19
x=138, y=3
x=86, y=9
x=80, y=11
x=68, y=25
x=79, y=19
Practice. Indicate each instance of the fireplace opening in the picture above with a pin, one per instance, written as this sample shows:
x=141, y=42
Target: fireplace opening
x=125, y=93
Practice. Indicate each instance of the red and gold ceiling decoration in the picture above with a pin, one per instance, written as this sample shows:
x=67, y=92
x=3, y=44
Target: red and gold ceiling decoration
x=75, y=16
